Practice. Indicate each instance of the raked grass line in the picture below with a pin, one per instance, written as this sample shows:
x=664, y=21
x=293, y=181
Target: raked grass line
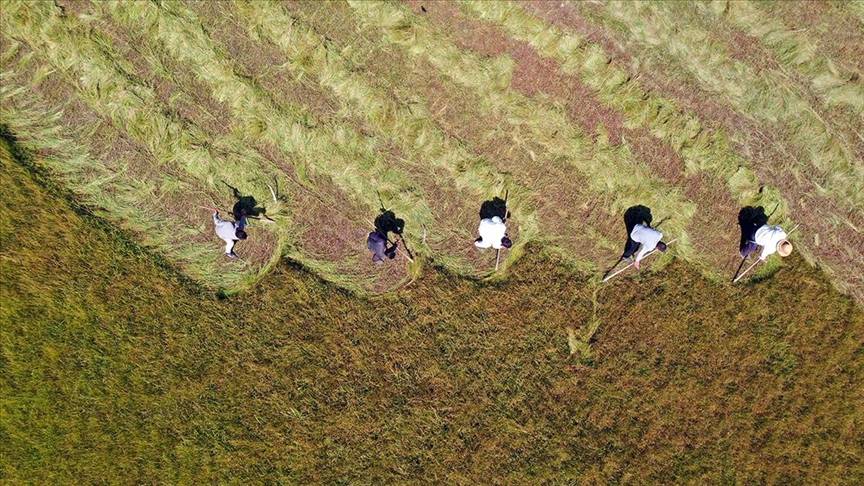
x=345, y=269
x=766, y=96
x=723, y=161
x=700, y=148
x=85, y=66
x=335, y=151
x=131, y=204
x=559, y=198
x=135, y=109
x=794, y=50
x=609, y=170
x=412, y=128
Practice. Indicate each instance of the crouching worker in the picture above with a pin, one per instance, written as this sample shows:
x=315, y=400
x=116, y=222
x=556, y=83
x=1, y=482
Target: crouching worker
x=493, y=234
x=377, y=244
x=772, y=239
x=644, y=239
x=230, y=232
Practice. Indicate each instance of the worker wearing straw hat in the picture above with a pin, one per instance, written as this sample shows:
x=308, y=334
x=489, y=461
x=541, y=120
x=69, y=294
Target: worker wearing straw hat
x=772, y=239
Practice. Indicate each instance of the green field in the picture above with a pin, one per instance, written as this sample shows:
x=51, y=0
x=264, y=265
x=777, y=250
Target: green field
x=134, y=351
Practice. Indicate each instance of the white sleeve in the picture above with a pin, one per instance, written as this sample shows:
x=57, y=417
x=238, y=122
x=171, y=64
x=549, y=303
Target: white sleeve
x=642, y=251
x=229, y=247
x=216, y=218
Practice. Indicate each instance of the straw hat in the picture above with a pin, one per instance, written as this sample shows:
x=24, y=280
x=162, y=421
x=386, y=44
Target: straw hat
x=784, y=248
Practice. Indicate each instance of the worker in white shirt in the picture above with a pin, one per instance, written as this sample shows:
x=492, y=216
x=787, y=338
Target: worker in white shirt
x=644, y=239
x=493, y=234
x=230, y=232
x=772, y=239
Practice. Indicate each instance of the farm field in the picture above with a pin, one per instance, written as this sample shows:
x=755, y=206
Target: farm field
x=133, y=349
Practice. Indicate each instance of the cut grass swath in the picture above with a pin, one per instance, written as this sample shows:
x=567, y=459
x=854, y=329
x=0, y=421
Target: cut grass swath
x=765, y=96
x=794, y=50
x=609, y=170
x=127, y=199
x=411, y=127
x=700, y=148
x=134, y=108
x=334, y=151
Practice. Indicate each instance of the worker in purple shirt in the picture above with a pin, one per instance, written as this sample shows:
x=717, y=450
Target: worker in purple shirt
x=377, y=244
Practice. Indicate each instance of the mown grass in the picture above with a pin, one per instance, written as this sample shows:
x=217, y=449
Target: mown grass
x=609, y=170
x=835, y=84
x=701, y=149
x=765, y=96
x=409, y=126
x=100, y=81
x=115, y=368
x=336, y=151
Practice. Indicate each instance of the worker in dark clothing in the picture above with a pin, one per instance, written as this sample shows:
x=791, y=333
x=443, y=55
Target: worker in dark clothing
x=377, y=244
x=245, y=207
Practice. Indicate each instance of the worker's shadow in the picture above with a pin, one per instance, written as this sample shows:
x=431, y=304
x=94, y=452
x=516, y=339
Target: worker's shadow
x=494, y=207
x=749, y=220
x=245, y=206
x=387, y=222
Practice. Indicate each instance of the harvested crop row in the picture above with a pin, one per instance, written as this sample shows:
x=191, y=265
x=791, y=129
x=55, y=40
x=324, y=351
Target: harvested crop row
x=408, y=126
x=562, y=199
x=110, y=93
x=108, y=171
x=344, y=98
x=828, y=230
x=836, y=27
x=603, y=165
x=350, y=267
x=702, y=150
x=767, y=97
x=333, y=151
x=793, y=49
x=335, y=251
x=542, y=75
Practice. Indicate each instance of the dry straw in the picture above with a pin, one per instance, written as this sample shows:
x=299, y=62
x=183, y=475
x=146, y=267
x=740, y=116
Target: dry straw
x=411, y=128
x=610, y=171
x=766, y=96
x=333, y=150
x=700, y=148
x=835, y=85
